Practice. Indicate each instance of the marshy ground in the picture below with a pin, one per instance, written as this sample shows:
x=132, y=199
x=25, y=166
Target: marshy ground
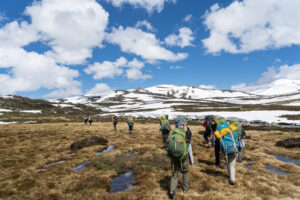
x=32, y=164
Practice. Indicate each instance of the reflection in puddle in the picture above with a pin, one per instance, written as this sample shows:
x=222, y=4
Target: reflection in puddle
x=122, y=183
x=248, y=166
x=276, y=171
x=81, y=167
x=110, y=148
x=286, y=159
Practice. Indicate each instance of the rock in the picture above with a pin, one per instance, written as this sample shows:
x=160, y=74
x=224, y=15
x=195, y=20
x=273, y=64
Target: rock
x=88, y=142
x=289, y=143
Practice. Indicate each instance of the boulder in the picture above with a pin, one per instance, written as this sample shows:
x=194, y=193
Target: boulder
x=289, y=143
x=88, y=142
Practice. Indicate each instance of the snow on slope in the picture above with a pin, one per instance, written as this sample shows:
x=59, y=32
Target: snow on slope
x=194, y=92
x=278, y=87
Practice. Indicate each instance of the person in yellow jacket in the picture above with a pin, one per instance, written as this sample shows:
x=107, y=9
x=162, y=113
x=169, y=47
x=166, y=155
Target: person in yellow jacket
x=230, y=158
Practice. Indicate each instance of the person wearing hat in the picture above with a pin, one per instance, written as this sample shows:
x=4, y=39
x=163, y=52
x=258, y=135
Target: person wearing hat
x=179, y=164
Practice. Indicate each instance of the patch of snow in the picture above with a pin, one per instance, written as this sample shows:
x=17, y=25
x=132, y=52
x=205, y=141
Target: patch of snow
x=8, y=122
x=5, y=110
x=32, y=111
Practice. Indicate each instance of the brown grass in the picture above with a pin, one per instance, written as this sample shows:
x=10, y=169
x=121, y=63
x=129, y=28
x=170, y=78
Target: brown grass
x=26, y=148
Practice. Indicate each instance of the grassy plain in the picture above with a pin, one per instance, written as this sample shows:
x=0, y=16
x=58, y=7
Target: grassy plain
x=26, y=148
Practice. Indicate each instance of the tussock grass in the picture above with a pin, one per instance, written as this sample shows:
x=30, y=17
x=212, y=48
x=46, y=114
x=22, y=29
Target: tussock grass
x=28, y=147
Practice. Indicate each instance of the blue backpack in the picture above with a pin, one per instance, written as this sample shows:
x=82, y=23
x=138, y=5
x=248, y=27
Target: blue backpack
x=229, y=142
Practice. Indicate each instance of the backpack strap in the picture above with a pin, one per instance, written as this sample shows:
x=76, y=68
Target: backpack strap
x=234, y=144
x=226, y=157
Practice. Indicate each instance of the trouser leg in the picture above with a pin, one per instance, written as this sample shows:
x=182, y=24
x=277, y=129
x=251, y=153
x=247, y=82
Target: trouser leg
x=206, y=136
x=130, y=129
x=175, y=173
x=185, y=174
x=165, y=138
x=231, y=166
x=217, y=152
x=240, y=156
x=115, y=127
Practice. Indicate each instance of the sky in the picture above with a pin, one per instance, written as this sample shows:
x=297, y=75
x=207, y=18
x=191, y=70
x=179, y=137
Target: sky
x=61, y=48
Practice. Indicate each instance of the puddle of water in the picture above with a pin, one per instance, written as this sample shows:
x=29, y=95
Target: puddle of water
x=61, y=162
x=40, y=170
x=122, y=183
x=81, y=167
x=110, y=148
x=286, y=159
x=248, y=166
x=276, y=171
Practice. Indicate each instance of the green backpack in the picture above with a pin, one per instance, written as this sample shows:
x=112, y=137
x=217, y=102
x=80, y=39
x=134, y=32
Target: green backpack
x=238, y=127
x=178, y=148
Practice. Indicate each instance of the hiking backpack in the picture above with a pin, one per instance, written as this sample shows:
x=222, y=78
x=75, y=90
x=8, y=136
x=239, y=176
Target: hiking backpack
x=165, y=125
x=238, y=127
x=130, y=121
x=229, y=141
x=178, y=148
x=208, y=120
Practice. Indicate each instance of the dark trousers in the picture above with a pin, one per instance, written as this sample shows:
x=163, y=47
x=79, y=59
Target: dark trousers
x=165, y=138
x=115, y=126
x=130, y=129
x=217, y=151
x=206, y=136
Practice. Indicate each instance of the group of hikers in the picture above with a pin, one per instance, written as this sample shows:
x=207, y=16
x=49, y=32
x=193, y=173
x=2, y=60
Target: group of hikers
x=226, y=137
x=87, y=119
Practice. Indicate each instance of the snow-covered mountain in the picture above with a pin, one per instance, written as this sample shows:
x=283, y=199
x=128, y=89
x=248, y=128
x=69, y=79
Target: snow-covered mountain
x=266, y=102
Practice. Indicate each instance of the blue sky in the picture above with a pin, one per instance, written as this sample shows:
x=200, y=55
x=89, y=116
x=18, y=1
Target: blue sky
x=61, y=48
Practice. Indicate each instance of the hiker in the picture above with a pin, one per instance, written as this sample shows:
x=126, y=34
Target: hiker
x=178, y=153
x=85, y=119
x=209, y=121
x=130, y=122
x=229, y=145
x=115, y=122
x=90, y=121
x=241, y=136
x=165, y=129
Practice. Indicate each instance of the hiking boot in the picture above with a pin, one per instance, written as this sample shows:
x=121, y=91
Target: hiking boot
x=171, y=194
x=231, y=182
x=185, y=191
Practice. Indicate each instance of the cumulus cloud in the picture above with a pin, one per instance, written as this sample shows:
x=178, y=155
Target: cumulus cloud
x=149, y=5
x=31, y=71
x=183, y=39
x=101, y=89
x=176, y=67
x=109, y=69
x=207, y=87
x=272, y=74
x=144, y=44
x=249, y=25
x=188, y=18
x=72, y=28
x=146, y=24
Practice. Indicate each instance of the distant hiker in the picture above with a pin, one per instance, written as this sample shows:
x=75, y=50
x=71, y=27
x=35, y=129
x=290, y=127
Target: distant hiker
x=165, y=129
x=115, y=122
x=90, y=121
x=241, y=136
x=130, y=122
x=86, y=118
x=229, y=145
x=208, y=124
x=178, y=153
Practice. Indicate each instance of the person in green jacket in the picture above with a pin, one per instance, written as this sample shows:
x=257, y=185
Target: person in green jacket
x=182, y=137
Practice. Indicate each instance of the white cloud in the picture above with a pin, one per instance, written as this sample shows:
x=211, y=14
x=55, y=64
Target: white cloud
x=188, y=18
x=101, y=89
x=176, y=67
x=30, y=71
x=238, y=86
x=72, y=28
x=146, y=24
x=209, y=87
x=136, y=41
x=249, y=25
x=183, y=39
x=272, y=74
x=149, y=5
x=3, y=17
x=284, y=72
x=109, y=69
